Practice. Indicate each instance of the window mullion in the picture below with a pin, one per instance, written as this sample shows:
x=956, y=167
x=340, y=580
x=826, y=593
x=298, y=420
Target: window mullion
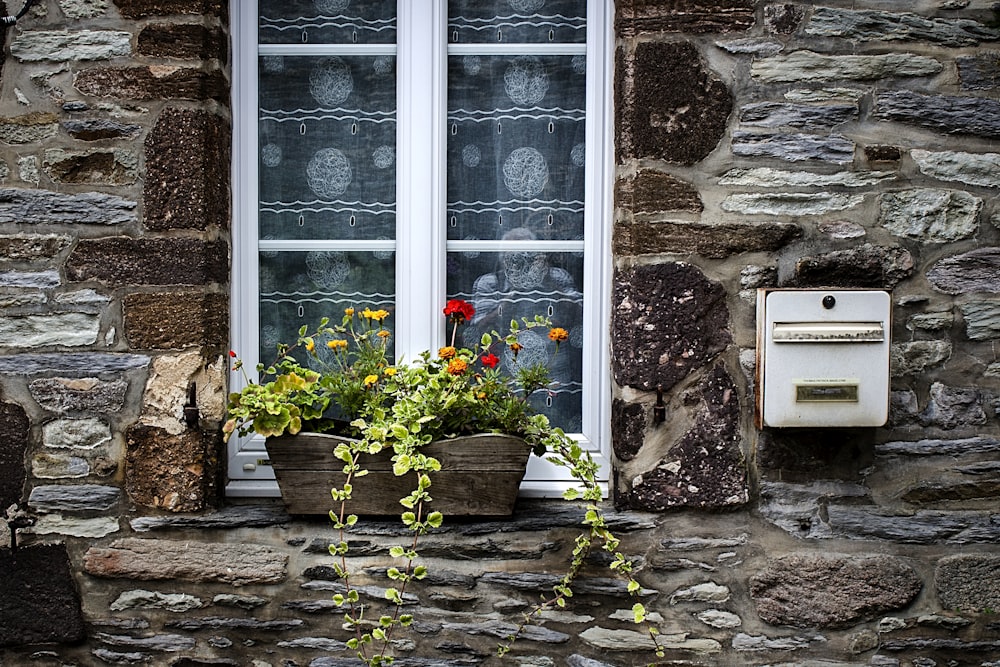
x=420, y=191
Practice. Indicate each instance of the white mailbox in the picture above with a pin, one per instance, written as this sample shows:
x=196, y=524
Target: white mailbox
x=822, y=357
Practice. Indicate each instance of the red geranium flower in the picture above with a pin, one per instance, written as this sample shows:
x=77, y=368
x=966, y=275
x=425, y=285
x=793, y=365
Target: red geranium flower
x=490, y=360
x=460, y=311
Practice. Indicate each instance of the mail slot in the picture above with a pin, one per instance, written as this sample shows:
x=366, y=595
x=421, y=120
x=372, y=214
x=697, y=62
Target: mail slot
x=822, y=357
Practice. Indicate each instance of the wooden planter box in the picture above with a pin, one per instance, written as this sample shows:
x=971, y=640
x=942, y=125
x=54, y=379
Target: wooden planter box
x=479, y=476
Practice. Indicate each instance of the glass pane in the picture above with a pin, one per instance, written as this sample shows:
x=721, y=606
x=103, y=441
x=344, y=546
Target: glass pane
x=511, y=285
x=327, y=147
x=301, y=288
x=516, y=146
x=517, y=21
x=327, y=21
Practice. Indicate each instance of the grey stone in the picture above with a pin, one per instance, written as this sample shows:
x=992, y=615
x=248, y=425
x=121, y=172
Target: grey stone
x=121, y=657
x=950, y=623
x=504, y=630
x=917, y=356
x=57, y=524
x=632, y=640
x=866, y=265
x=766, y=177
x=971, y=168
x=232, y=517
x=751, y=45
x=921, y=527
x=954, y=407
x=94, y=166
x=534, y=581
x=87, y=433
x=580, y=661
x=95, y=129
x=79, y=395
x=952, y=115
x=187, y=560
x=831, y=590
x=177, y=603
x=30, y=279
x=833, y=94
x=163, y=642
x=982, y=319
x=790, y=204
x=28, y=129
x=930, y=321
x=63, y=45
x=241, y=601
x=794, y=147
x=702, y=543
x=717, y=618
x=73, y=497
x=44, y=207
x=59, y=466
x=938, y=447
x=801, y=66
x=744, y=642
x=975, y=271
x=980, y=71
x=945, y=646
x=795, y=508
x=841, y=229
x=813, y=117
x=931, y=216
x=83, y=9
x=783, y=18
x=314, y=644
x=704, y=592
x=897, y=26
x=83, y=364
x=217, y=622
x=66, y=329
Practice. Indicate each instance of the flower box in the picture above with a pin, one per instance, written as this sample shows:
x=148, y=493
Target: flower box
x=480, y=475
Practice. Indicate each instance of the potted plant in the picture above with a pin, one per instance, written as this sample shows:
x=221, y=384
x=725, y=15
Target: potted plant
x=381, y=433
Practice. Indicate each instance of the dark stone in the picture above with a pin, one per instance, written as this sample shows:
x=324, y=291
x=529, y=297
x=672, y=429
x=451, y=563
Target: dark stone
x=142, y=83
x=171, y=472
x=187, y=171
x=237, y=516
x=951, y=115
x=969, y=582
x=883, y=153
x=948, y=647
x=39, y=602
x=975, y=271
x=936, y=447
x=174, y=320
x=669, y=105
x=953, y=407
x=979, y=72
x=653, y=191
x=930, y=492
x=634, y=17
x=74, y=497
x=668, y=321
x=783, y=19
x=216, y=622
x=717, y=241
x=64, y=395
x=75, y=364
x=134, y=9
x=794, y=147
x=808, y=590
x=921, y=527
x=182, y=40
x=808, y=454
x=92, y=168
x=864, y=266
x=33, y=247
x=23, y=206
x=628, y=422
x=543, y=583
x=14, y=428
x=122, y=261
x=96, y=129
x=705, y=468
x=777, y=114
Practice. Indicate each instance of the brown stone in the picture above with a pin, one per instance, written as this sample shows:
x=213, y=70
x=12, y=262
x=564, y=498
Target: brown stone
x=171, y=472
x=174, y=320
x=809, y=590
x=182, y=40
x=653, y=191
x=669, y=105
x=187, y=171
x=96, y=167
x=706, y=467
x=153, y=82
x=39, y=601
x=628, y=421
x=783, y=19
x=26, y=248
x=864, y=266
x=877, y=153
x=716, y=241
x=668, y=321
x=690, y=16
x=969, y=582
x=187, y=560
x=121, y=261
x=134, y=9
x=14, y=428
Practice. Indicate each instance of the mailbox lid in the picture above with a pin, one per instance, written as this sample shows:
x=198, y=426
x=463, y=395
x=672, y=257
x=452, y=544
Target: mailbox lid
x=823, y=357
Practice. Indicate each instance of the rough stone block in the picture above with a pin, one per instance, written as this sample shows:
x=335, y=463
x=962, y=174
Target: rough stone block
x=153, y=82
x=175, y=320
x=982, y=319
x=864, y=266
x=14, y=428
x=716, y=241
x=954, y=407
x=628, y=421
x=32, y=247
x=862, y=26
x=65, y=45
x=122, y=261
x=29, y=128
x=813, y=117
x=63, y=329
x=981, y=169
x=791, y=203
x=969, y=582
x=187, y=171
x=783, y=19
x=949, y=114
x=183, y=40
x=974, y=271
x=83, y=9
x=187, y=560
x=63, y=395
x=39, y=601
x=29, y=207
x=92, y=167
x=134, y=9
x=171, y=472
x=808, y=590
x=669, y=106
x=634, y=17
x=803, y=66
x=794, y=146
x=76, y=364
x=930, y=216
x=100, y=128
x=653, y=191
x=668, y=321
x=979, y=72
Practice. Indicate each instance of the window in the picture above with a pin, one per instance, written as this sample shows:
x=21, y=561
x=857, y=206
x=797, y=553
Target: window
x=397, y=154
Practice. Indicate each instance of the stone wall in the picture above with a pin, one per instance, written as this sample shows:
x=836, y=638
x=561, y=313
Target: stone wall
x=843, y=143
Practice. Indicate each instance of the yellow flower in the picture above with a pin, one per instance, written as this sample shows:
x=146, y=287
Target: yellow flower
x=558, y=334
x=370, y=380
x=447, y=352
x=310, y=344
x=349, y=312
x=390, y=371
x=337, y=343
x=384, y=333
x=457, y=366
x=376, y=315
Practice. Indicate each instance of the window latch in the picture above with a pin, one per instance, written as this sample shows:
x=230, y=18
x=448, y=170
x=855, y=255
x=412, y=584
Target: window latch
x=191, y=413
x=659, y=409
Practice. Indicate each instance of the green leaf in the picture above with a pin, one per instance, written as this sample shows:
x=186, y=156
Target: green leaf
x=435, y=519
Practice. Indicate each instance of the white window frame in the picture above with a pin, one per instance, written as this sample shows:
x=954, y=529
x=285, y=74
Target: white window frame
x=421, y=56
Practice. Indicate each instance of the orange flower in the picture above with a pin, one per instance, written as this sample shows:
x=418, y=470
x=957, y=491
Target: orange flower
x=516, y=347
x=558, y=334
x=349, y=312
x=447, y=352
x=336, y=344
x=384, y=333
x=457, y=366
